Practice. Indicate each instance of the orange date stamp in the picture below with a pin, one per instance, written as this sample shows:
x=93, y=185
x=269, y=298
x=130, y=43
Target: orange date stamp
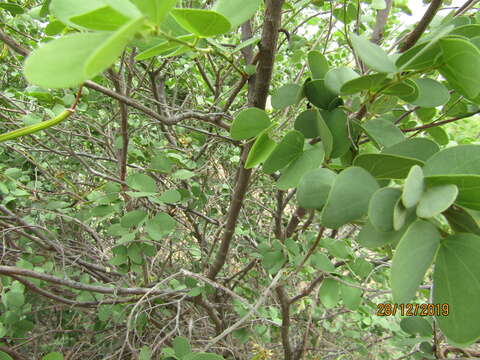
x=386, y=309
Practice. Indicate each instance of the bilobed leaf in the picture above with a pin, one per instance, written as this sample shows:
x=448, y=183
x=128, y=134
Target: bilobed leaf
x=436, y=200
x=462, y=61
x=314, y=187
x=329, y=291
x=63, y=10
x=457, y=160
x=289, y=149
x=318, y=64
x=416, y=148
x=468, y=186
x=260, y=151
x=380, y=209
x=349, y=197
x=237, y=11
x=383, y=132
x=456, y=284
x=318, y=94
x=372, y=55
x=155, y=10
x=286, y=96
x=365, y=82
x=104, y=18
x=386, y=166
x=309, y=160
x=249, y=123
x=414, y=187
x=335, y=78
x=203, y=23
x=413, y=256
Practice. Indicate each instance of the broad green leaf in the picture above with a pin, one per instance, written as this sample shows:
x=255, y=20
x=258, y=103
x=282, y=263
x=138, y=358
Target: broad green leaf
x=314, y=188
x=133, y=218
x=134, y=253
x=237, y=11
x=160, y=225
x=406, y=90
x=430, y=93
x=416, y=148
x=260, y=151
x=309, y=160
x=289, y=149
x=371, y=238
x=383, y=132
x=468, y=186
x=203, y=356
x=414, y=187
x=318, y=94
x=380, y=209
x=439, y=135
x=400, y=214
x=203, y=23
x=329, y=291
x=13, y=9
x=325, y=135
x=413, y=256
x=13, y=299
x=457, y=284
x=469, y=31
x=383, y=104
x=365, y=82
x=379, y=4
x=414, y=325
x=53, y=356
x=318, y=64
x=161, y=163
x=386, y=166
x=346, y=13
x=372, y=55
x=63, y=10
x=124, y=7
x=335, y=78
x=183, y=174
x=249, y=123
x=105, y=55
x=170, y=196
x=165, y=47
x=436, y=200
x=461, y=221
x=351, y=296
x=104, y=18
x=142, y=182
x=349, y=197
x=155, y=10
x=181, y=346
x=286, y=96
x=145, y=353
x=461, y=159
x=5, y=356
x=308, y=123
x=336, y=121
x=321, y=262
x=462, y=61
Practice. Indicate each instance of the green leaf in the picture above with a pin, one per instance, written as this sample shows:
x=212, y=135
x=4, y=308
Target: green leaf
x=237, y=11
x=53, y=356
x=318, y=94
x=436, y=200
x=260, y=151
x=379, y=4
x=161, y=163
x=414, y=187
x=456, y=284
x=289, y=149
x=309, y=160
x=372, y=55
x=325, y=135
x=286, y=96
x=329, y=291
x=439, y=135
x=249, y=123
x=141, y=182
x=400, y=214
x=462, y=61
x=430, y=93
x=406, y=90
x=160, y=225
x=133, y=218
x=351, y=296
x=203, y=23
x=365, y=82
x=468, y=186
x=386, y=166
x=104, y=18
x=318, y=64
x=5, y=356
x=170, y=196
x=203, y=356
x=13, y=299
x=380, y=210
x=124, y=7
x=308, y=123
x=413, y=256
x=63, y=10
x=458, y=160
x=165, y=47
x=416, y=148
x=181, y=346
x=383, y=132
x=183, y=174
x=371, y=238
x=335, y=78
x=145, y=353
x=155, y=10
x=349, y=197
x=336, y=121
x=314, y=188
x=13, y=9
x=414, y=325
x=461, y=221
x=321, y=262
